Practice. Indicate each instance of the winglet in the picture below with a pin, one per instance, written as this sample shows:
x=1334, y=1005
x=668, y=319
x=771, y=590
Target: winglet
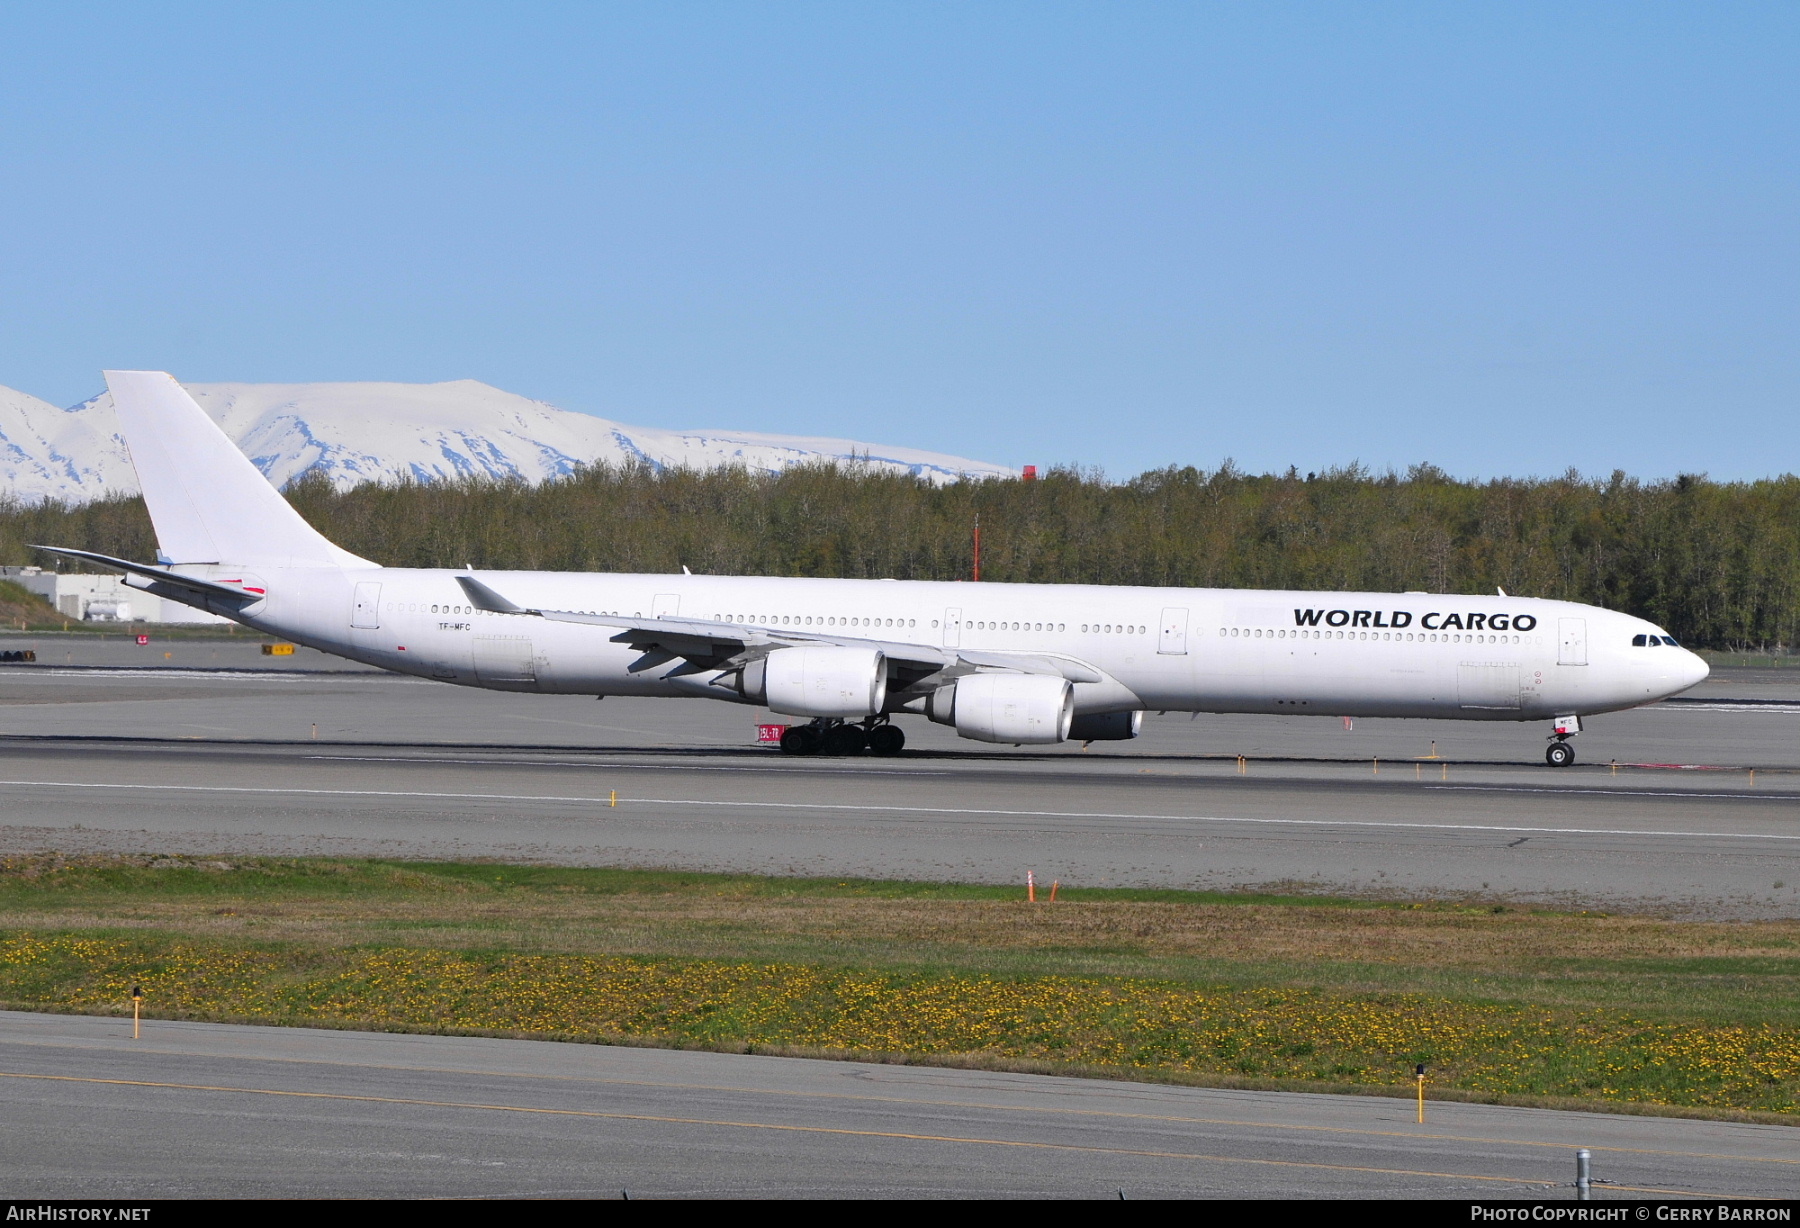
x=486, y=599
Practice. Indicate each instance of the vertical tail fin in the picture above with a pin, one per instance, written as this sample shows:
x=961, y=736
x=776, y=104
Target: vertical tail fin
x=208, y=502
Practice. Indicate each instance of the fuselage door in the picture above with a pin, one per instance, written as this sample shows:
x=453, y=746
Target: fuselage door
x=365, y=610
x=952, y=628
x=668, y=605
x=1173, y=641
x=1571, y=641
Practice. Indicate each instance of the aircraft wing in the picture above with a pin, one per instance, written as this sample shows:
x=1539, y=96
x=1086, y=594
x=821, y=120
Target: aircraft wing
x=1072, y=668
x=718, y=644
x=701, y=639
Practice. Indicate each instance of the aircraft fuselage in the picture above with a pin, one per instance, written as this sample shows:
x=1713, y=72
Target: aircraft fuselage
x=1176, y=649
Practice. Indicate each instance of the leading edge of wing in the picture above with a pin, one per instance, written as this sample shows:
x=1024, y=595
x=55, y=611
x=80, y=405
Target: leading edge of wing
x=638, y=632
x=692, y=636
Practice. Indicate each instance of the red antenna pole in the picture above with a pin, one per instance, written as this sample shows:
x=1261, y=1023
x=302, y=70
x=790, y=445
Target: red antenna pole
x=978, y=547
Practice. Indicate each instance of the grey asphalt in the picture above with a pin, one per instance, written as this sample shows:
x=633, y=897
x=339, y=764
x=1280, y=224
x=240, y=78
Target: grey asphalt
x=215, y=748
x=1691, y=808
x=209, y=1110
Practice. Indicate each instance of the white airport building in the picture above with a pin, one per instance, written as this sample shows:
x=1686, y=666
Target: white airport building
x=85, y=597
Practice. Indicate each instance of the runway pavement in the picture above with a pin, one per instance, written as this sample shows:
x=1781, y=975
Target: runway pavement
x=227, y=751
x=216, y=749
x=209, y=1110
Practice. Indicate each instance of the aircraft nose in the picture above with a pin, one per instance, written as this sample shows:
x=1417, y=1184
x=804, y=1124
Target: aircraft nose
x=1694, y=671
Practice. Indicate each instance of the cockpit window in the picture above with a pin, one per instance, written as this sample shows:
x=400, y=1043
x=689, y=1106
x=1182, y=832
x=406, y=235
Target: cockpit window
x=1670, y=641
x=1637, y=641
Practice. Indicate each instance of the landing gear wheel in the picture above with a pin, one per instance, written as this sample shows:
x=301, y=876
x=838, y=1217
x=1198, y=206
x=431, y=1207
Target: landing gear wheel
x=1560, y=754
x=800, y=740
x=886, y=740
x=845, y=740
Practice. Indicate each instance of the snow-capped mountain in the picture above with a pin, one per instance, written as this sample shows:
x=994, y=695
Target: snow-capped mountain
x=386, y=432
x=51, y=453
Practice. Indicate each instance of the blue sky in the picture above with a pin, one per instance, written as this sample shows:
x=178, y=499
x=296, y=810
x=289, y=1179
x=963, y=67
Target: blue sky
x=1501, y=238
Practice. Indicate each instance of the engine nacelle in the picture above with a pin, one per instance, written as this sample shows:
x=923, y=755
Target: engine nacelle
x=1107, y=727
x=822, y=681
x=1027, y=709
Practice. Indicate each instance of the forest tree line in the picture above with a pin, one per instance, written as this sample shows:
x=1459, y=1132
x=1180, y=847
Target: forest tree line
x=1716, y=563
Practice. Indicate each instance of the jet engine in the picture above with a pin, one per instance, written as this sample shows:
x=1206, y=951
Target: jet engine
x=1106, y=727
x=1026, y=709
x=821, y=681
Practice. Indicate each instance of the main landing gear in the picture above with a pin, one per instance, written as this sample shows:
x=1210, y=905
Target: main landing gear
x=1560, y=753
x=831, y=737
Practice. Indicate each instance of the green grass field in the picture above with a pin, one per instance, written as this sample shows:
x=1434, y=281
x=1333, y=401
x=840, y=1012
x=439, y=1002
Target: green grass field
x=1531, y=1006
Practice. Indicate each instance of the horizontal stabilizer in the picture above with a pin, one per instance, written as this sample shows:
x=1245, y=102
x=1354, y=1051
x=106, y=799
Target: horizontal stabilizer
x=160, y=574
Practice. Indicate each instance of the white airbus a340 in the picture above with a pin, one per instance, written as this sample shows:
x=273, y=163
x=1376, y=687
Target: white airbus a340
x=1023, y=664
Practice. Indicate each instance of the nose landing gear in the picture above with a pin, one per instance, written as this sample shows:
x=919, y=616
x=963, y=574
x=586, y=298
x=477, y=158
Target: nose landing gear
x=1560, y=753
